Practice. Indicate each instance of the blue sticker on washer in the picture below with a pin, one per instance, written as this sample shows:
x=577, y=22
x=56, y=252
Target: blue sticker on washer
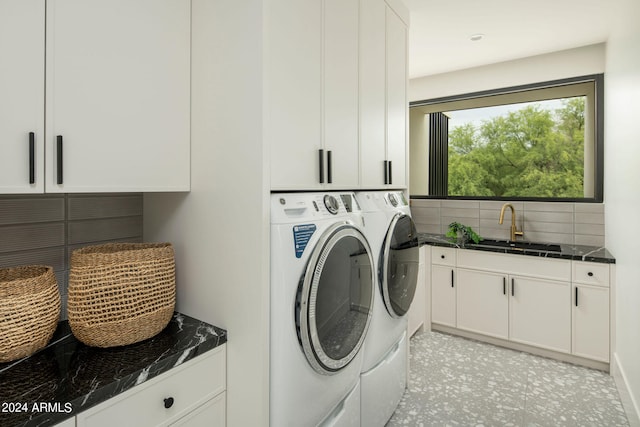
x=301, y=236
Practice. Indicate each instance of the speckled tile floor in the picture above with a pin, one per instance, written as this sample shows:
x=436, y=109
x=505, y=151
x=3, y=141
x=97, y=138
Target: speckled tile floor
x=460, y=382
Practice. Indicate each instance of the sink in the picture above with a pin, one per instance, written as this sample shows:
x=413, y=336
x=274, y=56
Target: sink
x=523, y=246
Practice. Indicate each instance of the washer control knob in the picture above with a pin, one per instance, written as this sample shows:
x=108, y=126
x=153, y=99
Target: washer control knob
x=393, y=200
x=331, y=203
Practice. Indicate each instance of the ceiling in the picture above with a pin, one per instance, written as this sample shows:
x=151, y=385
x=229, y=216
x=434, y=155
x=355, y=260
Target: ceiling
x=440, y=31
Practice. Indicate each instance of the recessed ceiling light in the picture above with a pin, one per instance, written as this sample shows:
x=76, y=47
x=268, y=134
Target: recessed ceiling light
x=476, y=37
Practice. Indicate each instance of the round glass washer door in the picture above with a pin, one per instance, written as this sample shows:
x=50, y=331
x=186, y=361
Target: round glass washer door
x=335, y=299
x=399, y=261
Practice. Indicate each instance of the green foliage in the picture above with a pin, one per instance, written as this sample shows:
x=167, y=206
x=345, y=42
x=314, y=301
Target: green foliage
x=531, y=152
x=467, y=232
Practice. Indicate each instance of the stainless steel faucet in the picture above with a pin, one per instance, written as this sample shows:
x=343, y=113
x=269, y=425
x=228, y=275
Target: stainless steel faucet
x=514, y=229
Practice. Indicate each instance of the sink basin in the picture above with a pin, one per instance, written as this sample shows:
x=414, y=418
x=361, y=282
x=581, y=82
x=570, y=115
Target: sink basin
x=523, y=246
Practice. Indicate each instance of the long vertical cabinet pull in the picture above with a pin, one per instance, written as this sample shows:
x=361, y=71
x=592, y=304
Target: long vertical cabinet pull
x=504, y=286
x=32, y=158
x=329, y=172
x=513, y=287
x=452, y=278
x=386, y=171
x=576, y=296
x=390, y=174
x=59, y=159
x=321, y=164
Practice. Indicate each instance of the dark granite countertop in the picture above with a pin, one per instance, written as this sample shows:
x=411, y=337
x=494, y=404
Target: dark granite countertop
x=67, y=377
x=571, y=252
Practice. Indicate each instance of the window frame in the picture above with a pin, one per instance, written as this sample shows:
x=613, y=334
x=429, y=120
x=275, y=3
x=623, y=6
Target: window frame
x=441, y=174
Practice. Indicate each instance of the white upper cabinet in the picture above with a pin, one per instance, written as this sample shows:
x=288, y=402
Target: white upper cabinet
x=340, y=77
x=118, y=95
x=373, y=153
x=331, y=91
x=397, y=106
x=293, y=92
x=383, y=96
x=21, y=96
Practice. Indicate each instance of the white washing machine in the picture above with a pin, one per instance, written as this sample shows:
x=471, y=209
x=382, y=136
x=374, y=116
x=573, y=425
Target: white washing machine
x=322, y=294
x=394, y=239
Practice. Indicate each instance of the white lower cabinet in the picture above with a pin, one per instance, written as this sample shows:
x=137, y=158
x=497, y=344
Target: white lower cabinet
x=551, y=304
x=540, y=313
x=192, y=394
x=482, y=303
x=590, y=311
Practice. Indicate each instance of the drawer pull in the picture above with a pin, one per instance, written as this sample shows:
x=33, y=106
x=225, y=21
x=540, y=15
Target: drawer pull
x=442, y=256
x=168, y=402
x=576, y=296
x=452, y=278
x=590, y=274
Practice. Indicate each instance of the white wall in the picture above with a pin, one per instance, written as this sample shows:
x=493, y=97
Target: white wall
x=558, y=65
x=622, y=198
x=220, y=229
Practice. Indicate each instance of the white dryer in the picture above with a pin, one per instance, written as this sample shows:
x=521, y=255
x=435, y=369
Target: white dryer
x=322, y=292
x=394, y=239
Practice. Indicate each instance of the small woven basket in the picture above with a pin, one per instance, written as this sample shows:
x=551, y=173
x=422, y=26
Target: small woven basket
x=121, y=293
x=29, y=310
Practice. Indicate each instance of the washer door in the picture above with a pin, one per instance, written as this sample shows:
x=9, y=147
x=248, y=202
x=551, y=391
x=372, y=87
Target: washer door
x=399, y=262
x=335, y=298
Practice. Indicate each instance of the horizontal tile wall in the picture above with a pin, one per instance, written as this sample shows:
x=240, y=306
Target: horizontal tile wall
x=570, y=223
x=45, y=229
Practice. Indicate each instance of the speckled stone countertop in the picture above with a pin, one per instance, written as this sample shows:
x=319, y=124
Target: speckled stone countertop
x=67, y=377
x=572, y=252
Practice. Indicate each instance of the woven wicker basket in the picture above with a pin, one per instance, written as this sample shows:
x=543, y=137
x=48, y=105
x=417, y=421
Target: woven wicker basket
x=29, y=310
x=121, y=293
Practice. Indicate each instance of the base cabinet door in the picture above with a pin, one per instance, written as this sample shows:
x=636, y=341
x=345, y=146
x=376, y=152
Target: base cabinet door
x=443, y=295
x=590, y=322
x=540, y=313
x=482, y=303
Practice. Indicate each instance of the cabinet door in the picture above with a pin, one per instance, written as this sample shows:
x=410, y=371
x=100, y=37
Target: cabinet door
x=443, y=295
x=540, y=313
x=482, y=303
x=397, y=107
x=590, y=322
x=372, y=92
x=340, y=74
x=293, y=98
x=21, y=95
x=118, y=94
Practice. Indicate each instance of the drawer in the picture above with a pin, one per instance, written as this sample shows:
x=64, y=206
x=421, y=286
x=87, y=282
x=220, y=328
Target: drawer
x=591, y=273
x=443, y=256
x=522, y=265
x=189, y=385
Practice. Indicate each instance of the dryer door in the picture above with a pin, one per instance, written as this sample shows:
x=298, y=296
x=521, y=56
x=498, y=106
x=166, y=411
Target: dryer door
x=335, y=298
x=399, y=262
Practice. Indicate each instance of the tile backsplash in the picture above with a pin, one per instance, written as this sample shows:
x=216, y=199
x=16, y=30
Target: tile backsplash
x=46, y=228
x=553, y=222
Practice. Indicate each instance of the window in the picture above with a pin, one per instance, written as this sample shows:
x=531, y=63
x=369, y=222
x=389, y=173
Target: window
x=534, y=142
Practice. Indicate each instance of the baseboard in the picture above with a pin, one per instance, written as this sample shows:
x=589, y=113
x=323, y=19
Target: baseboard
x=626, y=396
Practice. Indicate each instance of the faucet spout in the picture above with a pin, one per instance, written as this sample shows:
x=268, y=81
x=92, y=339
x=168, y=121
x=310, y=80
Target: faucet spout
x=514, y=230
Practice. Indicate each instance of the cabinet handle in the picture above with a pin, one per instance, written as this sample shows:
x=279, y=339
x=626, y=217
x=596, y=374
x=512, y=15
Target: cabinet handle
x=452, y=278
x=442, y=256
x=576, y=296
x=59, y=158
x=390, y=174
x=504, y=286
x=329, y=175
x=32, y=158
x=321, y=164
x=386, y=171
x=168, y=402
x=513, y=287
x=590, y=274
